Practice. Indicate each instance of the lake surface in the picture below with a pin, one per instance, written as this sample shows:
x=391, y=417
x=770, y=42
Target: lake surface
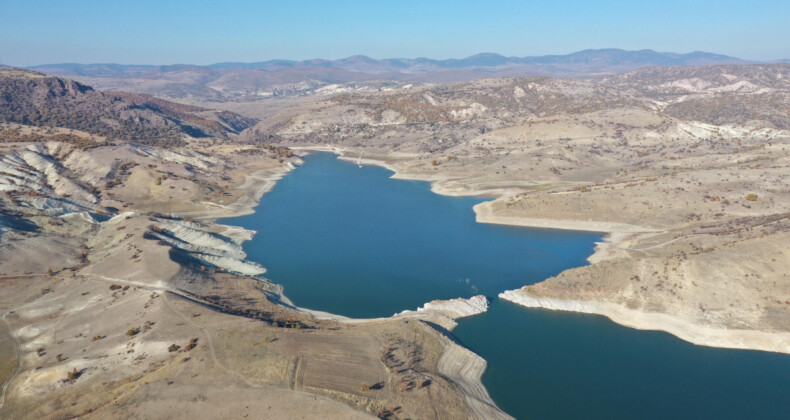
x=351, y=241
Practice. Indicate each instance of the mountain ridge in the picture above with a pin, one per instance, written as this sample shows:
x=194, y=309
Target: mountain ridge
x=594, y=58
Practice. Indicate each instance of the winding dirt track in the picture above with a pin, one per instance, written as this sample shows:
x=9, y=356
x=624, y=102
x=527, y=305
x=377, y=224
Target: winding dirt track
x=18, y=356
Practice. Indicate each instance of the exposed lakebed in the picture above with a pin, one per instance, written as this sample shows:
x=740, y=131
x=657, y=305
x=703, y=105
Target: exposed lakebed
x=351, y=241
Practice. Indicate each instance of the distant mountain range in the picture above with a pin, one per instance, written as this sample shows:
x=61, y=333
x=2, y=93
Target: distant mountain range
x=587, y=61
x=254, y=81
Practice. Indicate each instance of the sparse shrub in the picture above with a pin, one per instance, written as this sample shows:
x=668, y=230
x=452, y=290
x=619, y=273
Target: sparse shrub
x=73, y=375
x=192, y=344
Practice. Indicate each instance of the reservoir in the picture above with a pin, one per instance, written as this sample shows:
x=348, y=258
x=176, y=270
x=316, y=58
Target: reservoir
x=353, y=242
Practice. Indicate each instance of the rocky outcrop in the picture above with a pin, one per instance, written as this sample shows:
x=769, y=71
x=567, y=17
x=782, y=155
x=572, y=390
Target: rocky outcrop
x=458, y=308
x=211, y=249
x=41, y=184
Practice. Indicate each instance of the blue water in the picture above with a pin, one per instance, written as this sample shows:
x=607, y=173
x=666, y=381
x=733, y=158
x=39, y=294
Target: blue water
x=350, y=241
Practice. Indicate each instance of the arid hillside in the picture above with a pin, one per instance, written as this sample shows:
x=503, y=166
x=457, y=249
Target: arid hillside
x=32, y=98
x=118, y=283
x=122, y=298
x=686, y=168
x=754, y=95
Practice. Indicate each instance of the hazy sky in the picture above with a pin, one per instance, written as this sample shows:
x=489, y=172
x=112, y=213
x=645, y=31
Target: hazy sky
x=203, y=32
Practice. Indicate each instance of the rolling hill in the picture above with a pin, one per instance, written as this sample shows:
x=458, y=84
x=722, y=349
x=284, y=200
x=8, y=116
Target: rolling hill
x=32, y=98
x=233, y=81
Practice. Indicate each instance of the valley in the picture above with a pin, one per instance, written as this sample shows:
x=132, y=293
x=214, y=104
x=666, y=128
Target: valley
x=120, y=284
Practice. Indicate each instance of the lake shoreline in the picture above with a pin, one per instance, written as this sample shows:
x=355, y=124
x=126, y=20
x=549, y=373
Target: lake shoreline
x=611, y=246
x=442, y=313
x=695, y=334
x=617, y=238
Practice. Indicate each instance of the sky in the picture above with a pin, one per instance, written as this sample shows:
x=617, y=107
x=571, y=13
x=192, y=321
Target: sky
x=203, y=32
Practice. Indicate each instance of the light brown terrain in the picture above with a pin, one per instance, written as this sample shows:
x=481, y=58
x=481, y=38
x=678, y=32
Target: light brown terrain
x=685, y=169
x=122, y=297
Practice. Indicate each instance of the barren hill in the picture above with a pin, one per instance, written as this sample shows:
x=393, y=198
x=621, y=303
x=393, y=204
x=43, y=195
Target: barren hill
x=757, y=94
x=686, y=168
x=32, y=98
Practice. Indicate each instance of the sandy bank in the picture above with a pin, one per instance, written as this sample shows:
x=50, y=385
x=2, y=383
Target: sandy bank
x=441, y=312
x=465, y=368
x=685, y=330
x=457, y=308
x=353, y=156
x=618, y=235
